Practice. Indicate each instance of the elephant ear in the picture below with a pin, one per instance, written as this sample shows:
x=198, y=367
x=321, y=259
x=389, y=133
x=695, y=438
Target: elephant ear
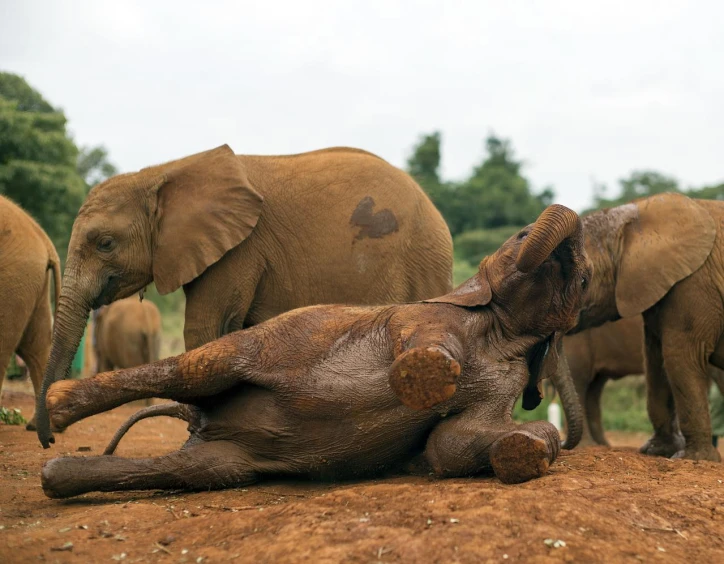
x=204, y=206
x=667, y=240
x=542, y=363
x=472, y=293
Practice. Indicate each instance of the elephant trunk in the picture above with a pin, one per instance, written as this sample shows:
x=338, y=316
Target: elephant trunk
x=70, y=323
x=556, y=224
x=563, y=382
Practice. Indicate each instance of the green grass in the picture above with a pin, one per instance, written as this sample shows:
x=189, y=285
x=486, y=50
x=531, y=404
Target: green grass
x=11, y=416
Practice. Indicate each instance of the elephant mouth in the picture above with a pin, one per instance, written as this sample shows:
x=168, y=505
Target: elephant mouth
x=109, y=292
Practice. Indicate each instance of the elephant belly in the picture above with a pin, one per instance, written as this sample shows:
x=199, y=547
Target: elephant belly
x=320, y=437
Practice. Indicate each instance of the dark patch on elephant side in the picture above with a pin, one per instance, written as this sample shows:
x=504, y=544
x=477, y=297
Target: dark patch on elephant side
x=372, y=225
x=688, y=322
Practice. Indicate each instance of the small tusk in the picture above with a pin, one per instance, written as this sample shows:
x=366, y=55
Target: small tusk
x=140, y=294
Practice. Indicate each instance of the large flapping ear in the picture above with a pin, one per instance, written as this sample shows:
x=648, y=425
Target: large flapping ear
x=668, y=240
x=542, y=363
x=204, y=206
x=473, y=292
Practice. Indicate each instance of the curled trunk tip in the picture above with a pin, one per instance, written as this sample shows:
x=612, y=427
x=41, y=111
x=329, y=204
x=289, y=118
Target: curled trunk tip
x=556, y=224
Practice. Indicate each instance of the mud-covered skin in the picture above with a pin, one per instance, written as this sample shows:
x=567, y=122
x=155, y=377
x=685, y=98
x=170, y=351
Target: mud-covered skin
x=308, y=392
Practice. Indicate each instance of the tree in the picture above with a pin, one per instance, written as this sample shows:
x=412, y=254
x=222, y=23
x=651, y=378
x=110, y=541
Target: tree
x=93, y=166
x=640, y=184
x=497, y=194
x=38, y=159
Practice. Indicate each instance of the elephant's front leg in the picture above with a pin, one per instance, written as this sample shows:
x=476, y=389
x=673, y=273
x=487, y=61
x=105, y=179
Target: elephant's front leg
x=468, y=444
x=204, y=466
x=203, y=372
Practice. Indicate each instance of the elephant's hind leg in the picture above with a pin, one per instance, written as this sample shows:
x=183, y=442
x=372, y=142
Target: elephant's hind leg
x=34, y=347
x=204, y=466
x=464, y=445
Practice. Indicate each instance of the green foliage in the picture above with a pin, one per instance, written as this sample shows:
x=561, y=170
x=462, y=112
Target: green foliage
x=473, y=246
x=11, y=416
x=496, y=194
x=462, y=270
x=93, y=166
x=38, y=159
x=707, y=192
x=623, y=405
x=640, y=184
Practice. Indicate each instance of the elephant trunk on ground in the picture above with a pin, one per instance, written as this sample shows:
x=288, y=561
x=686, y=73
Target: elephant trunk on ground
x=70, y=323
x=556, y=224
x=563, y=382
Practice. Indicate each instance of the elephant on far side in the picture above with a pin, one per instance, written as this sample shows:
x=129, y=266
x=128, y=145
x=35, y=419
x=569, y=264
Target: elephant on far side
x=127, y=333
x=248, y=238
x=26, y=319
x=663, y=257
x=609, y=352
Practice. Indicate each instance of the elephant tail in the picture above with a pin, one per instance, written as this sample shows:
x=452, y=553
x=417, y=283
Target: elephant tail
x=177, y=410
x=54, y=265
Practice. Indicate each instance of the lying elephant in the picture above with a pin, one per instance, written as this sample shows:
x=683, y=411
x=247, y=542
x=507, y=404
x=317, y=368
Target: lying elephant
x=316, y=392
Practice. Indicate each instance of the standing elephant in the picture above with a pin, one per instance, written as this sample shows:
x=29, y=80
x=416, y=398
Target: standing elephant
x=248, y=238
x=663, y=257
x=608, y=352
x=316, y=392
x=26, y=320
x=127, y=334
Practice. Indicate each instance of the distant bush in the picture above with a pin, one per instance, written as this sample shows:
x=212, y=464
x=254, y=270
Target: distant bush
x=473, y=246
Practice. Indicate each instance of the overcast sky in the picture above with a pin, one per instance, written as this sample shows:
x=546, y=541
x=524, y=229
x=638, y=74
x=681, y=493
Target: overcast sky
x=583, y=89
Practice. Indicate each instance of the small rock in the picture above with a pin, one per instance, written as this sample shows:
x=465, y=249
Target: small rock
x=66, y=547
x=554, y=543
x=185, y=551
x=64, y=529
x=453, y=520
x=167, y=540
x=84, y=449
x=119, y=557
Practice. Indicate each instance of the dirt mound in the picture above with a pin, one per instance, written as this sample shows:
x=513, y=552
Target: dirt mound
x=595, y=505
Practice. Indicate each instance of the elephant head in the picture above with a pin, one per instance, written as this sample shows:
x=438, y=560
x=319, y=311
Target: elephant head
x=534, y=285
x=639, y=251
x=164, y=224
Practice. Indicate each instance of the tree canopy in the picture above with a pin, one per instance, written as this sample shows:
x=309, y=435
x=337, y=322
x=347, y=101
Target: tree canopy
x=495, y=194
x=40, y=166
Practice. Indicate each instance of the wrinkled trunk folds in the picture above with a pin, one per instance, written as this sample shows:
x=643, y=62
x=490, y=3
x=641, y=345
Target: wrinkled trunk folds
x=563, y=382
x=70, y=323
x=556, y=224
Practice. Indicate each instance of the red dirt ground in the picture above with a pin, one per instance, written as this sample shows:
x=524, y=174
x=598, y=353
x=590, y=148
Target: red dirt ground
x=606, y=505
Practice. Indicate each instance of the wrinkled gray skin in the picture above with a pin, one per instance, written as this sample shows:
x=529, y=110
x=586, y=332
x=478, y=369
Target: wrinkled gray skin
x=309, y=392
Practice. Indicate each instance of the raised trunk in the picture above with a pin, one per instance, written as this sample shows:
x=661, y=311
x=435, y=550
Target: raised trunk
x=556, y=224
x=70, y=323
x=563, y=382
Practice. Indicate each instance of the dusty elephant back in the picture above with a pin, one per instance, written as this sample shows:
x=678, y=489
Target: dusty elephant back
x=346, y=227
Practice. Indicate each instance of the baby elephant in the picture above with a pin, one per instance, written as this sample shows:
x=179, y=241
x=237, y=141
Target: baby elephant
x=334, y=392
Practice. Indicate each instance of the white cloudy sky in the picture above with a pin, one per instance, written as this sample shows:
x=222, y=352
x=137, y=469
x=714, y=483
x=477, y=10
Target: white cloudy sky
x=585, y=89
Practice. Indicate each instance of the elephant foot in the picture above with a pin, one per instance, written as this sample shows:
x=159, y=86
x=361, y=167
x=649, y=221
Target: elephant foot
x=424, y=377
x=706, y=452
x=520, y=456
x=59, y=402
x=663, y=446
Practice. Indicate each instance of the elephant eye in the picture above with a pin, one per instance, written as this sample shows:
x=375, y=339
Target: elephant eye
x=105, y=244
x=584, y=282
